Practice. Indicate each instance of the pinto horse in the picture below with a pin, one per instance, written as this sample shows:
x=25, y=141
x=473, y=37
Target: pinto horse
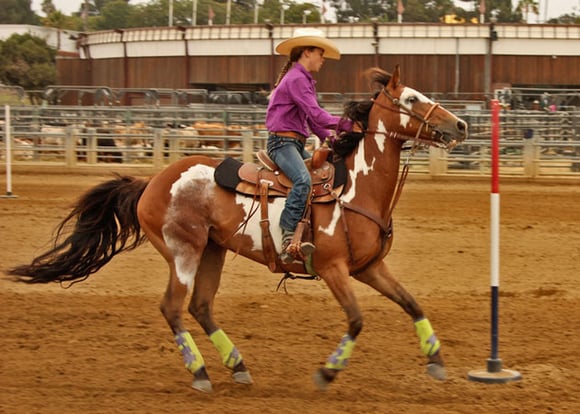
x=193, y=222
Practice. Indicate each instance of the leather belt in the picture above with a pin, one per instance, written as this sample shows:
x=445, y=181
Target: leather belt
x=290, y=134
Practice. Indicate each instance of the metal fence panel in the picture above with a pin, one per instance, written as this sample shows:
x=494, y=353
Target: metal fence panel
x=533, y=144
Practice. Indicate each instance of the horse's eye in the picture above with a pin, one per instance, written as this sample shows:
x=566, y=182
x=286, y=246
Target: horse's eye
x=412, y=100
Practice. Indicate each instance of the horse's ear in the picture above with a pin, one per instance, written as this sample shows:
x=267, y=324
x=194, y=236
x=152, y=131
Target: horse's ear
x=395, y=78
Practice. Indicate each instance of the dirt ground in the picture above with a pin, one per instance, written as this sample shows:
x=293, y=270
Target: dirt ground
x=102, y=346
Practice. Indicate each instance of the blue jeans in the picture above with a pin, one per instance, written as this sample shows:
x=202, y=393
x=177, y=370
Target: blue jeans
x=289, y=154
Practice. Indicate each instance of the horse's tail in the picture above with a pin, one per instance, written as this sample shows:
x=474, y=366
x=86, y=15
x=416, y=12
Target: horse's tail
x=102, y=224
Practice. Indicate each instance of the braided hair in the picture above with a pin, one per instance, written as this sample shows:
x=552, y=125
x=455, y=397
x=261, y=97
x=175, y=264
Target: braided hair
x=292, y=58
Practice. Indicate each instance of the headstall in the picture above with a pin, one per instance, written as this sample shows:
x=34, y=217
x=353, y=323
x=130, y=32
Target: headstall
x=403, y=110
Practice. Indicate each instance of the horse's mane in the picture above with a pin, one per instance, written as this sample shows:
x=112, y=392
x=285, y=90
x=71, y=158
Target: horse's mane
x=358, y=112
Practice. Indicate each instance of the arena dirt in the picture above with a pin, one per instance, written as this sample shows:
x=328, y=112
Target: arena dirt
x=102, y=345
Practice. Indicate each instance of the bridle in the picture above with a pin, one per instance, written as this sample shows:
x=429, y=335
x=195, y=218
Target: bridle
x=400, y=109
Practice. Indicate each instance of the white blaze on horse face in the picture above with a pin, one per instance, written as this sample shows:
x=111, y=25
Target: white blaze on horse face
x=407, y=99
x=198, y=177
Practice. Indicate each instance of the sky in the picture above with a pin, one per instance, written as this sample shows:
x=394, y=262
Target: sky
x=555, y=8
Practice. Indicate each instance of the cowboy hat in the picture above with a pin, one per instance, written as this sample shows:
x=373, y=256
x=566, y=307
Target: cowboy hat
x=306, y=36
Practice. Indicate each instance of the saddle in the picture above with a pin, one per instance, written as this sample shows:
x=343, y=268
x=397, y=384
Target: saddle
x=328, y=178
x=265, y=180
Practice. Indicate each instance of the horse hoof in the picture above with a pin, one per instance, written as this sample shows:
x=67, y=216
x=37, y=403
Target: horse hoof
x=202, y=385
x=320, y=381
x=437, y=371
x=242, y=377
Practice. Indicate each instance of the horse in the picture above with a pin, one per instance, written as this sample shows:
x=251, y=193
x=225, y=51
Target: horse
x=193, y=222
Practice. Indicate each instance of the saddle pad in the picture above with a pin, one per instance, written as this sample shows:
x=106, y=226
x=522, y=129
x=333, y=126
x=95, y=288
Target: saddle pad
x=226, y=173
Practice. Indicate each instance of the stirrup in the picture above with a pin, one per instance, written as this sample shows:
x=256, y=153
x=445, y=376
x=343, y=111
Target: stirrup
x=307, y=248
x=286, y=257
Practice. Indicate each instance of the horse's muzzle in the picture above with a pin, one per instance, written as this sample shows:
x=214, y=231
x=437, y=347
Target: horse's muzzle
x=451, y=137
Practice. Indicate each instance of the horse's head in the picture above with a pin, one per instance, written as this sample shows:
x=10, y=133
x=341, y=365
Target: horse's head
x=404, y=113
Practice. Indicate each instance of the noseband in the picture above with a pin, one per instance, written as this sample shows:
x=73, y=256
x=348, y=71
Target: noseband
x=400, y=109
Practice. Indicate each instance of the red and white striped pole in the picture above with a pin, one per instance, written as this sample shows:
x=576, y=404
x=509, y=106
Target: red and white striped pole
x=494, y=372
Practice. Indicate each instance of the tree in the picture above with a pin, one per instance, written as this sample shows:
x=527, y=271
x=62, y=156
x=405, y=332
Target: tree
x=524, y=7
x=48, y=7
x=386, y=10
x=58, y=20
x=566, y=19
x=27, y=61
x=362, y=10
x=502, y=10
x=96, y=6
x=155, y=12
x=430, y=12
x=271, y=10
x=17, y=12
x=116, y=14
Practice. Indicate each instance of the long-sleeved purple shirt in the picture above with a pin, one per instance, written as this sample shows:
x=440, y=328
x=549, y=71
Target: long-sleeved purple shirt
x=293, y=107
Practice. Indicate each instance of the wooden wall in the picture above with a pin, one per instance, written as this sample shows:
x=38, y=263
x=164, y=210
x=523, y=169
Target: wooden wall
x=537, y=70
x=427, y=73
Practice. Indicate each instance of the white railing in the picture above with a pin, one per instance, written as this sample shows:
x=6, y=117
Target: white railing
x=359, y=38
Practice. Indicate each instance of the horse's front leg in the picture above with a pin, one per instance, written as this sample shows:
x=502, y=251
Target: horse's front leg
x=338, y=280
x=379, y=277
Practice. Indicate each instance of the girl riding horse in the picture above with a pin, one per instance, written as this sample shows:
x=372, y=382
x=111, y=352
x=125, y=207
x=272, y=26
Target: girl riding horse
x=193, y=222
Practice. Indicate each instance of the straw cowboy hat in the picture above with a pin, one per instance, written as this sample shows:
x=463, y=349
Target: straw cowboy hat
x=307, y=36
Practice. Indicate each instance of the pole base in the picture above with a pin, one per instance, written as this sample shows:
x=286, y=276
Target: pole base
x=8, y=195
x=494, y=374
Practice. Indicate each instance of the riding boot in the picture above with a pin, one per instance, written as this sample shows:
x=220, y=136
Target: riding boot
x=287, y=237
x=294, y=249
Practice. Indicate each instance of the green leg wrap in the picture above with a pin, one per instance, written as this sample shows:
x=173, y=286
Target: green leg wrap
x=339, y=359
x=429, y=343
x=191, y=355
x=229, y=353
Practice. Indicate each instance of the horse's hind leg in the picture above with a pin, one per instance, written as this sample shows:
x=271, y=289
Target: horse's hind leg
x=172, y=309
x=380, y=278
x=183, y=264
x=206, y=284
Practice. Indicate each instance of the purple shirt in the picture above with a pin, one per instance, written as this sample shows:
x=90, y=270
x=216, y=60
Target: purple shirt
x=293, y=107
